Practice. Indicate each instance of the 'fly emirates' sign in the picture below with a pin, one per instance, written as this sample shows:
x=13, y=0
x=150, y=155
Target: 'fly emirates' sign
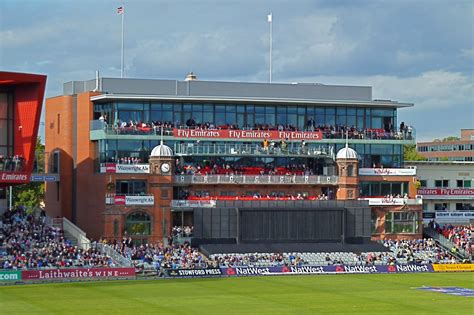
x=247, y=134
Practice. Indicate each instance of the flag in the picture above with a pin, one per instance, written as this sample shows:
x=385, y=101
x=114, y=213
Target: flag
x=120, y=10
x=269, y=17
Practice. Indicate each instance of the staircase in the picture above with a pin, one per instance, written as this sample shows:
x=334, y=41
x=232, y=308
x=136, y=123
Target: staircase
x=78, y=237
x=446, y=243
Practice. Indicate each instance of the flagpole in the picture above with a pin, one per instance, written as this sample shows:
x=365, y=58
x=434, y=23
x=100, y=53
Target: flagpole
x=270, y=19
x=121, y=59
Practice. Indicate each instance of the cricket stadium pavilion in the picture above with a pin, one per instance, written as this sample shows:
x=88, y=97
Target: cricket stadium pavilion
x=239, y=162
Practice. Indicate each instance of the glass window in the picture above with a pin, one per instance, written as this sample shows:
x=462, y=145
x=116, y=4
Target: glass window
x=130, y=106
x=401, y=222
x=138, y=223
x=330, y=111
x=207, y=117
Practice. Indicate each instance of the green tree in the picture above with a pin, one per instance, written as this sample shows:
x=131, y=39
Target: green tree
x=31, y=195
x=410, y=153
x=450, y=138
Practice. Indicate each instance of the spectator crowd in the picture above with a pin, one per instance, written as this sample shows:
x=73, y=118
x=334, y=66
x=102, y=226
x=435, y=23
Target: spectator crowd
x=27, y=242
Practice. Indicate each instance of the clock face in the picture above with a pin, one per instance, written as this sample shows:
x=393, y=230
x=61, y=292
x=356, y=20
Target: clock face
x=165, y=167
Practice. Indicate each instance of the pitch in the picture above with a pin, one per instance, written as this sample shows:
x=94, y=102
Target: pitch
x=322, y=294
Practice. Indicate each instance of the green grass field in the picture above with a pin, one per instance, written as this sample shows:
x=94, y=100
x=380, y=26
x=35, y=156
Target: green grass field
x=322, y=294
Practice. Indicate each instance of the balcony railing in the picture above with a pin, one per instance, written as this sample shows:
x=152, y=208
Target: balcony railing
x=193, y=203
x=257, y=179
x=129, y=200
x=266, y=203
x=370, y=133
x=193, y=148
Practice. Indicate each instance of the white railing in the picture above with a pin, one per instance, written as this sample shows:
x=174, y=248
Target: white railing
x=256, y=179
x=193, y=203
x=75, y=232
x=112, y=253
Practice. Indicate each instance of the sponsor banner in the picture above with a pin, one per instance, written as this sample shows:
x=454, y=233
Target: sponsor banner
x=268, y=271
x=133, y=168
x=453, y=267
x=392, y=201
x=247, y=134
x=139, y=200
x=44, y=178
x=447, y=193
x=14, y=177
x=125, y=168
x=78, y=273
x=467, y=215
x=119, y=200
x=190, y=273
x=10, y=276
x=387, y=171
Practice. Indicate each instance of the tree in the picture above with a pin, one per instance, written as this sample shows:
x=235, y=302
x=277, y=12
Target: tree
x=31, y=195
x=450, y=138
x=410, y=153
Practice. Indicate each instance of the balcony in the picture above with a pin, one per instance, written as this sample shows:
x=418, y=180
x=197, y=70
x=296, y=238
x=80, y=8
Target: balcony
x=183, y=205
x=256, y=179
x=246, y=149
x=100, y=130
x=383, y=201
x=129, y=200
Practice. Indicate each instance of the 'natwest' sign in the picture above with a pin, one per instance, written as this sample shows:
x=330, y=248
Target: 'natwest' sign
x=446, y=191
x=247, y=134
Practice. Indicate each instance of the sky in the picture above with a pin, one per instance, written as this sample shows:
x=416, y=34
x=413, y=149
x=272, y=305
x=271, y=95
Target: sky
x=420, y=52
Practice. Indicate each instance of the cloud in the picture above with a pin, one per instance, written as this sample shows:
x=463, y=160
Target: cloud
x=435, y=94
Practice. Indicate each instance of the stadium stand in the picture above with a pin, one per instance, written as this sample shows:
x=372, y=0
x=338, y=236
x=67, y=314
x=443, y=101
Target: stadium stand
x=28, y=242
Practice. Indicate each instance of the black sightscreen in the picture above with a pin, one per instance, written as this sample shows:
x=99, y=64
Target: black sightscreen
x=291, y=225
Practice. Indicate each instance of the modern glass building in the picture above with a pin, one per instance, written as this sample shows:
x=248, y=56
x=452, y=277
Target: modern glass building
x=229, y=141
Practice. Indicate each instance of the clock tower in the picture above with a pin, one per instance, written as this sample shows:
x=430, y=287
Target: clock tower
x=160, y=185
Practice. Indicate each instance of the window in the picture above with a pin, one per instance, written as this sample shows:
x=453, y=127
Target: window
x=138, y=223
x=463, y=183
x=401, y=222
x=55, y=162
x=131, y=187
x=464, y=206
x=116, y=227
x=374, y=222
x=442, y=183
x=441, y=206
x=423, y=183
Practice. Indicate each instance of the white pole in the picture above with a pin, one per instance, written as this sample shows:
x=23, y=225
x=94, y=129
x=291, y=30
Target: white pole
x=11, y=197
x=270, y=19
x=123, y=16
